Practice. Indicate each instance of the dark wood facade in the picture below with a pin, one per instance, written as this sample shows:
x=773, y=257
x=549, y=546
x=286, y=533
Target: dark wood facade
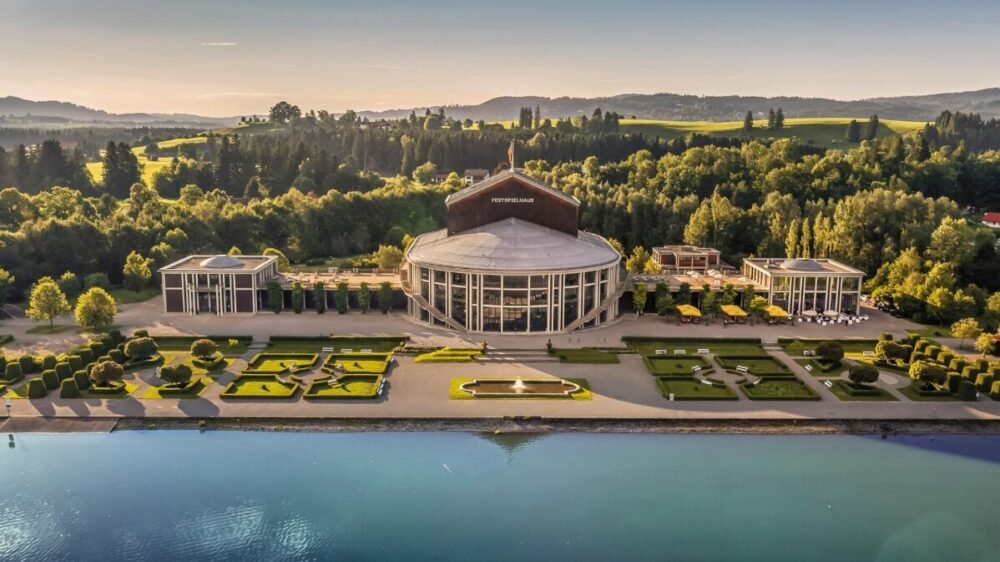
x=513, y=197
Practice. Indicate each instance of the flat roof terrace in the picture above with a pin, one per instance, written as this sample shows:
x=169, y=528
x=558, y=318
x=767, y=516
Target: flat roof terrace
x=215, y=263
x=806, y=266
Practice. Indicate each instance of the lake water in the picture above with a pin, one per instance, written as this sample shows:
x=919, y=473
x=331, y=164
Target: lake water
x=185, y=495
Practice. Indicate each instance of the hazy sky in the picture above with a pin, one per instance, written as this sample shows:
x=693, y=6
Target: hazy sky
x=232, y=57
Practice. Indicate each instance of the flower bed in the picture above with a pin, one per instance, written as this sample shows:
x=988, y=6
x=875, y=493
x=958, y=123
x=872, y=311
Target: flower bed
x=277, y=363
x=260, y=386
x=346, y=387
x=693, y=389
x=822, y=367
x=192, y=389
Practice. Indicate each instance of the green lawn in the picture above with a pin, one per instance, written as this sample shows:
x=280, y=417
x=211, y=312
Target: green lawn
x=584, y=355
x=841, y=390
x=694, y=390
x=338, y=343
x=664, y=365
x=275, y=363
x=759, y=366
x=56, y=329
x=260, y=386
x=817, y=369
x=183, y=343
x=455, y=391
x=852, y=346
x=345, y=387
x=449, y=355
x=779, y=389
x=719, y=346
x=931, y=332
x=128, y=296
x=196, y=390
x=350, y=363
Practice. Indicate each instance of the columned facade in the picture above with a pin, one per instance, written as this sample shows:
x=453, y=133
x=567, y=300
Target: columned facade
x=800, y=285
x=217, y=285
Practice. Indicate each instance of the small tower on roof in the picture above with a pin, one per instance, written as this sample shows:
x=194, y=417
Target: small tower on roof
x=511, y=155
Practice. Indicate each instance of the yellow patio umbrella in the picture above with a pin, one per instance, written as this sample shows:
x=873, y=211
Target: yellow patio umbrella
x=733, y=311
x=775, y=311
x=688, y=310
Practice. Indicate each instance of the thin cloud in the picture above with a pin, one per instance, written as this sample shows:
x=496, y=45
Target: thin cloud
x=219, y=44
x=239, y=95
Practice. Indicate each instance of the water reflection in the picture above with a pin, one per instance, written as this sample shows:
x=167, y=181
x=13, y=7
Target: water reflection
x=511, y=443
x=978, y=447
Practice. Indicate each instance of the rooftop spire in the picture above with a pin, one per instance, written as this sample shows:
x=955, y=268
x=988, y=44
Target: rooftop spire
x=511, y=155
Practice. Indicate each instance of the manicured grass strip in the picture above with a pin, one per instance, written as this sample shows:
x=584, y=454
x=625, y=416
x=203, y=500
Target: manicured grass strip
x=183, y=343
x=693, y=389
x=260, y=386
x=912, y=392
x=779, y=389
x=46, y=329
x=848, y=393
x=346, y=387
x=819, y=369
x=455, y=391
x=449, y=355
x=715, y=346
x=674, y=366
x=761, y=366
x=930, y=332
x=128, y=296
x=381, y=344
x=276, y=363
x=852, y=346
x=586, y=355
x=196, y=388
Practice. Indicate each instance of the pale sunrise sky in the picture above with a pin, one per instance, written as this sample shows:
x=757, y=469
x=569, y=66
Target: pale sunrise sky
x=228, y=57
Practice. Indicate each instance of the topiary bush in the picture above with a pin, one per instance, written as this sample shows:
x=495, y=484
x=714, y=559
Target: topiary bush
x=48, y=362
x=995, y=390
x=957, y=364
x=69, y=389
x=75, y=362
x=177, y=374
x=105, y=372
x=50, y=379
x=86, y=356
x=862, y=374
x=12, y=372
x=885, y=336
x=945, y=357
x=969, y=372
x=204, y=348
x=63, y=370
x=983, y=382
x=97, y=348
x=82, y=380
x=140, y=334
x=116, y=336
x=27, y=364
x=3, y=363
x=830, y=350
x=116, y=355
x=37, y=388
x=140, y=348
x=967, y=391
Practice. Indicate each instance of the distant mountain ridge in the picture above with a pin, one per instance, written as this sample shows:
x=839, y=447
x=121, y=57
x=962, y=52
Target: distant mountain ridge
x=683, y=107
x=42, y=112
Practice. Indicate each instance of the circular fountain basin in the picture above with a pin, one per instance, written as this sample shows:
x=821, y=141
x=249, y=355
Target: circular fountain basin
x=520, y=387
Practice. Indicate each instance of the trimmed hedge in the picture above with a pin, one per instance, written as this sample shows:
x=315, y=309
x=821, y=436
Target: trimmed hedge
x=68, y=389
x=12, y=372
x=779, y=389
x=51, y=379
x=75, y=362
x=264, y=363
x=995, y=390
x=250, y=387
x=984, y=381
x=82, y=380
x=27, y=364
x=107, y=390
x=761, y=366
x=37, y=388
x=216, y=361
x=967, y=391
x=193, y=386
x=48, y=362
x=366, y=388
x=63, y=370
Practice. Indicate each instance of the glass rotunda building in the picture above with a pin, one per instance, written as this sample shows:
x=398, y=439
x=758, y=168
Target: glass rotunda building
x=512, y=260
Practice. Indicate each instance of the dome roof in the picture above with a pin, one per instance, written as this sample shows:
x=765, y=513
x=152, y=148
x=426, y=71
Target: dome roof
x=802, y=264
x=512, y=245
x=221, y=262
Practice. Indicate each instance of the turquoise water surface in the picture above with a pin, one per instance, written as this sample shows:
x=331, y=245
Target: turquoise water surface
x=185, y=495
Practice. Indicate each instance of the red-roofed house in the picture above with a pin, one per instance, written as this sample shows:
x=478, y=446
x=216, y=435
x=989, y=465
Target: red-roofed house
x=991, y=220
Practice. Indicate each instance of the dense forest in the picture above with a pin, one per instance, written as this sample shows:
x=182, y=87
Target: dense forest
x=308, y=189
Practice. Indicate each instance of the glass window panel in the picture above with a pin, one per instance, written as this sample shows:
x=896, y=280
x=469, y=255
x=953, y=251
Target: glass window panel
x=491, y=319
x=539, y=281
x=424, y=274
x=458, y=279
x=517, y=297
x=539, y=297
x=458, y=304
x=491, y=296
x=492, y=281
x=515, y=320
x=515, y=282
x=539, y=318
x=439, y=298
x=570, y=306
x=572, y=279
x=588, y=298
x=589, y=276
x=439, y=277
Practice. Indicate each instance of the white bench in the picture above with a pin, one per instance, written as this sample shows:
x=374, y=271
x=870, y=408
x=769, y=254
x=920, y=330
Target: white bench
x=680, y=352
x=703, y=351
x=661, y=351
x=742, y=369
x=346, y=350
x=808, y=353
x=327, y=350
x=809, y=368
x=366, y=351
x=709, y=383
x=868, y=352
x=829, y=384
x=696, y=368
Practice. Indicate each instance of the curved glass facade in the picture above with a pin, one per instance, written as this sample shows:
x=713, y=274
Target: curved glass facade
x=536, y=302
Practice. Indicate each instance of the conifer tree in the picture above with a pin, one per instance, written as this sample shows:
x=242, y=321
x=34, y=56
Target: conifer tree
x=748, y=122
x=779, y=119
x=872, y=132
x=770, y=119
x=853, y=131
